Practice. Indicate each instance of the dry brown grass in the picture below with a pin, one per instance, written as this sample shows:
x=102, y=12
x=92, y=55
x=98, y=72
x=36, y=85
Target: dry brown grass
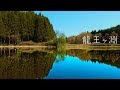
x=93, y=47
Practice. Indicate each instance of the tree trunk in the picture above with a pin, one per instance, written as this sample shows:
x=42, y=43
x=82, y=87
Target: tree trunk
x=4, y=40
x=9, y=40
x=1, y=41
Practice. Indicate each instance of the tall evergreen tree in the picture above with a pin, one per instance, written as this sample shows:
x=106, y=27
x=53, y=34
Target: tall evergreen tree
x=2, y=29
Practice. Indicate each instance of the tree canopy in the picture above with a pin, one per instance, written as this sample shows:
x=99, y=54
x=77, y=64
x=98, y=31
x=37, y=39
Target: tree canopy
x=17, y=26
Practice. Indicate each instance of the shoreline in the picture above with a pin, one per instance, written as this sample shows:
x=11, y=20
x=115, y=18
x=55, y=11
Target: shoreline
x=26, y=46
x=68, y=46
x=93, y=47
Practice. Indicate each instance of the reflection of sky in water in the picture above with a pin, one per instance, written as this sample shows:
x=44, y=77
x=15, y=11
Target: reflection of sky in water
x=74, y=68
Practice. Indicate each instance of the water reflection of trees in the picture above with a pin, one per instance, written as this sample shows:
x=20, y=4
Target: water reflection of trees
x=22, y=65
x=82, y=54
x=60, y=55
x=111, y=57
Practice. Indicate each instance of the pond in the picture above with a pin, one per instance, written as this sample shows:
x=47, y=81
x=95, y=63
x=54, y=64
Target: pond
x=68, y=64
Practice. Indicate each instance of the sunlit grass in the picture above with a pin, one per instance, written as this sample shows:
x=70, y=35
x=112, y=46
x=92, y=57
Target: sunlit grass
x=93, y=47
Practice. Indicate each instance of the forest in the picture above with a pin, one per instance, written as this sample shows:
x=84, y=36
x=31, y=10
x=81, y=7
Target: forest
x=103, y=34
x=19, y=26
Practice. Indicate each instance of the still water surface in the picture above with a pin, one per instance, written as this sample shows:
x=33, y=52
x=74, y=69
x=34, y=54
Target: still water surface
x=70, y=64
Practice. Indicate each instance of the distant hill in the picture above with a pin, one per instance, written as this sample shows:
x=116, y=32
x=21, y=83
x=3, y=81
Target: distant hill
x=103, y=34
x=115, y=29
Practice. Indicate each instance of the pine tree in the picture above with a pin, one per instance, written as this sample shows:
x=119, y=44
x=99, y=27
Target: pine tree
x=2, y=28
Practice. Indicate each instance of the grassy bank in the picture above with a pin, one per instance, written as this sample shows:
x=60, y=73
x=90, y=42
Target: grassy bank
x=93, y=47
x=30, y=44
x=49, y=45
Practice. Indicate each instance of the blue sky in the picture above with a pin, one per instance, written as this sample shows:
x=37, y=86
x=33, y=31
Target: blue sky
x=74, y=22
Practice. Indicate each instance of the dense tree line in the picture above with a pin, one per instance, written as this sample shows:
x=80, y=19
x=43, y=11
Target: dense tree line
x=115, y=29
x=106, y=33
x=103, y=34
x=17, y=26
